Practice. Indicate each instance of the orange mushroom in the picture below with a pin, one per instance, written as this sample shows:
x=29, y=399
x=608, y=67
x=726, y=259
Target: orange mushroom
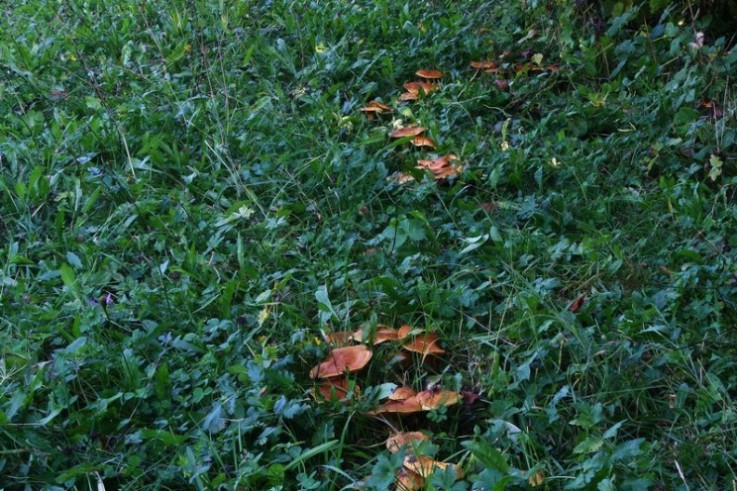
x=426, y=344
x=404, y=331
x=423, y=141
x=402, y=394
x=376, y=107
x=401, y=440
x=407, y=406
x=433, y=399
x=338, y=338
x=483, y=64
x=425, y=466
x=409, y=481
x=441, y=167
x=409, y=96
x=382, y=335
x=342, y=360
x=429, y=74
x=337, y=388
x=415, y=87
x=406, y=131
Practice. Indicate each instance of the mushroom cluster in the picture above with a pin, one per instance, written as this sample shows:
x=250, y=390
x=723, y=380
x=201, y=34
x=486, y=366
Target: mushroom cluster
x=439, y=166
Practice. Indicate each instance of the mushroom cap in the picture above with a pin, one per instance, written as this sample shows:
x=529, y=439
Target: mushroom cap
x=431, y=399
x=403, y=331
x=338, y=338
x=406, y=131
x=376, y=106
x=395, y=442
x=402, y=394
x=407, y=406
x=409, y=96
x=341, y=360
x=483, y=64
x=382, y=335
x=336, y=388
x=429, y=74
x=409, y=481
x=441, y=166
x=425, y=344
x=423, y=141
x=415, y=87
x=425, y=466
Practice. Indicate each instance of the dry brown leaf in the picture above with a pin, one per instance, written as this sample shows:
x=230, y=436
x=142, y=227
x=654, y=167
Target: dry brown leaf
x=341, y=360
x=576, y=305
x=406, y=131
x=429, y=74
x=400, y=178
x=502, y=85
x=395, y=442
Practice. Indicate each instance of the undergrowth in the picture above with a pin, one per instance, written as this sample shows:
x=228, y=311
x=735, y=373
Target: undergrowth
x=191, y=198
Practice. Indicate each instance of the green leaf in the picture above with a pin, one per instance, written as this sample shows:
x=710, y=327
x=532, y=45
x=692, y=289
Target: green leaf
x=488, y=455
x=74, y=260
x=67, y=276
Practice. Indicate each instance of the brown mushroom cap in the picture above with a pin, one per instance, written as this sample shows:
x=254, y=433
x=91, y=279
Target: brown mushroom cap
x=341, y=360
x=409, y=96
x=483, y=64
x=429, y=74
x=430, y=399
x=376, y=106
x=336, y=388
x=382, y=335
x=406, y=131
x=402, y=393
x=425, y=466
x=338, y=338
x=415, y=87
x=441, y=166
x=404, y=331
x=409, y=481
x=407, y=406
x=395, y=442
x=423, y=141
x=426, y=344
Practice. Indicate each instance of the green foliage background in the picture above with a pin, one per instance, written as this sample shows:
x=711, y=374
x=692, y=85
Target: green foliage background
x=189, y=196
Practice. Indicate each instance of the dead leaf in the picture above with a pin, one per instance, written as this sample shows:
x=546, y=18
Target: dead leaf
x=502, y=85
x=576, y=305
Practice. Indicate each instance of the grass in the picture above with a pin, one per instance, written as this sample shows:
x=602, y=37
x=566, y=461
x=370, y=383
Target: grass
x=191, y=199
